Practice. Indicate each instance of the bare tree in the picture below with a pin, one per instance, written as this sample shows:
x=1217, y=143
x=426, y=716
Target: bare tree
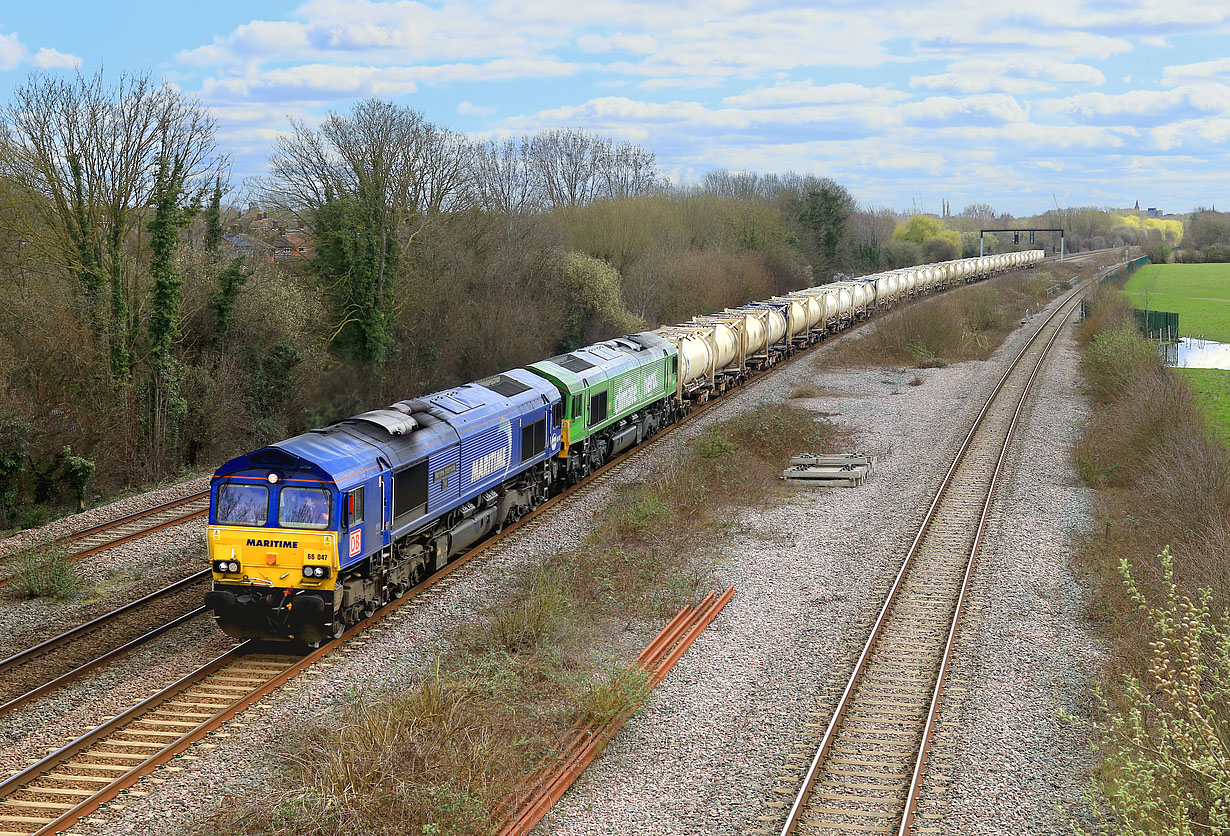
x=503, y=178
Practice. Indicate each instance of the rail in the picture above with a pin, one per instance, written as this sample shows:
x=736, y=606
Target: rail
x=887, y=699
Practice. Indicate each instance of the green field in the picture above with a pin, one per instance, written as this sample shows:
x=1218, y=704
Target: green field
x=1212, y=388
x=1198, y=293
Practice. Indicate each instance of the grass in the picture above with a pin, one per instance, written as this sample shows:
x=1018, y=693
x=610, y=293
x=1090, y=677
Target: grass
x=966, y=323
x=1212, y=388
x=442, y=753
x=46, y=571
x=1198, y=293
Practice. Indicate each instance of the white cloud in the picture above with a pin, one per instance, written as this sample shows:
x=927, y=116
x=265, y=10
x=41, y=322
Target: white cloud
x=619, y=42
x=1199, y=70
x=471, y=109
x=1141, y=104
x=53, y=58
x=14, y=53
x=805, y=92
x=1009, y=75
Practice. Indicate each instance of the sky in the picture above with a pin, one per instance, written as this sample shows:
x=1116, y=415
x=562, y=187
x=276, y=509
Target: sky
x=1020, y=105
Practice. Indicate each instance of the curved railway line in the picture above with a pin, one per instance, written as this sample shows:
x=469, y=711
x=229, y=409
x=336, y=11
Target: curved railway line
x=866, y=774
x=52, y=794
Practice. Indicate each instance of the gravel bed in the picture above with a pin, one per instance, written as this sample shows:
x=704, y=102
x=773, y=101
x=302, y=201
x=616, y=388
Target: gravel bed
x=110, y=579
x=1026, y=654
x=806, y=574
x=31, y=731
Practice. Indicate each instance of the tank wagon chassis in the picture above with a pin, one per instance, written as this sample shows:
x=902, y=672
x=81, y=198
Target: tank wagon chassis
x=313, y=534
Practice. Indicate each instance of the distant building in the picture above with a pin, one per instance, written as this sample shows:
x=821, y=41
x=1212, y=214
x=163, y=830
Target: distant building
x=1154, y=212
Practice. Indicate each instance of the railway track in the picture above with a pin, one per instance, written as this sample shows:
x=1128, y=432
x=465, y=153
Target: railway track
x=115, y=532
x=50, y=664
x=866, y=774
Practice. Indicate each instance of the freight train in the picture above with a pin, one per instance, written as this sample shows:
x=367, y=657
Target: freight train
x=312, y=534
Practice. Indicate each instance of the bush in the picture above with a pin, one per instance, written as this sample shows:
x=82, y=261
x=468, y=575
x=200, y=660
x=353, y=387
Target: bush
x=1166, y=740
x=46, y=571
x=1116, y=357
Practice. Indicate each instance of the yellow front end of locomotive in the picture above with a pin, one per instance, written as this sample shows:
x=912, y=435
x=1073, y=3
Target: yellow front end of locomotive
x=275, y=557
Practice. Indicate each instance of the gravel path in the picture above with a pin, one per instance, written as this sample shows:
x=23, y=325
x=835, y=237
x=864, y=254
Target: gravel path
x=701, y=757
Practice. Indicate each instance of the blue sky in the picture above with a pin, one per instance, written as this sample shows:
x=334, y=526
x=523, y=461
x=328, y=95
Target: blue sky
x=907, y=103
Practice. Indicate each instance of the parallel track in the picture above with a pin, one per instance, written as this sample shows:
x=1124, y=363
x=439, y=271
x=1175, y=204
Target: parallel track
x=115, y=532
x=866, y=774
x=40, y=669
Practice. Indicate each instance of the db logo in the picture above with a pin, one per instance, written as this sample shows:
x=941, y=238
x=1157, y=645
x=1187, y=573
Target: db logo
x=356, y=541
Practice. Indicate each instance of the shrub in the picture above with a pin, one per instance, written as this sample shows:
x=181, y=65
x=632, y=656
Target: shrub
x=1116, y=357
x=46, y=571
x=1166, y=740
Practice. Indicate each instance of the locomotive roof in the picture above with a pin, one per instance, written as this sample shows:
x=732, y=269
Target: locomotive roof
x=344, y=452
x=600, y=361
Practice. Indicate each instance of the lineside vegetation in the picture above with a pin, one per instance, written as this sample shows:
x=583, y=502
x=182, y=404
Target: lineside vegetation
x=1163, y=488
x=442, y=753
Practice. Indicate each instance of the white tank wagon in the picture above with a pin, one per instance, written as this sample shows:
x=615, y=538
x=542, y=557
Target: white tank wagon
x=775, y=326
x=862, y=293
x=830, y=301
x=813, y=310
x=886, y=286
x=793, y=314
x=707, y=352
x=754, y=324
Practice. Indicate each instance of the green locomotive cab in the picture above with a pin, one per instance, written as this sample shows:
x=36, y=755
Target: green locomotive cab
x=615, y=393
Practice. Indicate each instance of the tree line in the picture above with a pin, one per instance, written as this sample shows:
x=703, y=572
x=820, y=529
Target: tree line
x=139, y=341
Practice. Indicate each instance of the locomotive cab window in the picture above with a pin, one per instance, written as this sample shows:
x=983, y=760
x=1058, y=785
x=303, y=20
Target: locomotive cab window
x=242, y=504
x=557, y=412
x=533, y=439
x=597, y=408
x=304, y=508
x=576, y=406
x=354, y=507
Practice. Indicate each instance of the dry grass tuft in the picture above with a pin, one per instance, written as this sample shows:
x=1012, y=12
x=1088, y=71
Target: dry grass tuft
x=807, y=390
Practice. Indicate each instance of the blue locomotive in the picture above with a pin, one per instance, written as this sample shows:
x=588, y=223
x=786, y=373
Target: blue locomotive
x=311, y=534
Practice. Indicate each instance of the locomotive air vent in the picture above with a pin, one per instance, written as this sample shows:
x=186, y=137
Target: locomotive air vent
x=572, y=363
x=504, y=385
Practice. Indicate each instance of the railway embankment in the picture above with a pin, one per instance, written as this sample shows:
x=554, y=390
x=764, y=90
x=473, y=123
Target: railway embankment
x=1162, y=481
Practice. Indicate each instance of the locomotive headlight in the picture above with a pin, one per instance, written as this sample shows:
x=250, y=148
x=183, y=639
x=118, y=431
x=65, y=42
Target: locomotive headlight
x=307, y=571
x=233, y=566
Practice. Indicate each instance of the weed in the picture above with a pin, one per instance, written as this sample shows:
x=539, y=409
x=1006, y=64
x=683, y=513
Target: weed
x=46, y=571
x=916, y=381
x=807, y=390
